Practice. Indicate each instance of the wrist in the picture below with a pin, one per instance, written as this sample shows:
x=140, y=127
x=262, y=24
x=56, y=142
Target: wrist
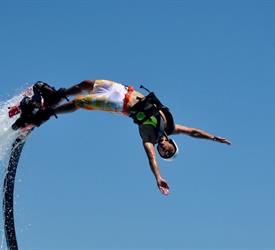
x=158, y=179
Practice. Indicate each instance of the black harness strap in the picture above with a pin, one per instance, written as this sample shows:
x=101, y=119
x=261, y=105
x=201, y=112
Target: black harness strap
x=145, y=108
x=150, y=106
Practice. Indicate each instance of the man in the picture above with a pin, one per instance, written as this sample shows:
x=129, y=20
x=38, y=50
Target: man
x=154, y=128
x=154, y=120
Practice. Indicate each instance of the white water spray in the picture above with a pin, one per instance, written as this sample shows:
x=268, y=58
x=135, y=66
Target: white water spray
x=7, y=134
x=7, y=138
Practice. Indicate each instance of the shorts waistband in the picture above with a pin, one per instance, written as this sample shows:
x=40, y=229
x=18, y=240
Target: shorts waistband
x=130, y=90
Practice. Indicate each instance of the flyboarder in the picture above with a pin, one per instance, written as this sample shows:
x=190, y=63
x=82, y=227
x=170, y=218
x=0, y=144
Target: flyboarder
x=154, y=120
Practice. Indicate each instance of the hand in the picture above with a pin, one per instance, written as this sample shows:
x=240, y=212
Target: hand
x=163, y=186
x=221, y=140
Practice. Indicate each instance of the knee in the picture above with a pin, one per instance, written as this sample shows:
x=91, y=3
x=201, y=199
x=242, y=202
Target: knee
x=87, y=84
x=76, y=103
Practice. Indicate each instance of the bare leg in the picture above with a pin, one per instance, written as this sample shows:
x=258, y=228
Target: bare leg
x=86, y=85
x=66, y=108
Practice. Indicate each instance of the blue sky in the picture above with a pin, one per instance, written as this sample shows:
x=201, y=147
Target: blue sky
x=84, y=181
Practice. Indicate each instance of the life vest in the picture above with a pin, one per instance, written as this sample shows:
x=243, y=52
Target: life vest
x=150, y=106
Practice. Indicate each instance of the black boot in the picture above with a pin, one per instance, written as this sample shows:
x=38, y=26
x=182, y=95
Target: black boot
x=42, y=116
x=61, y=93
x=19, y=123
x=50, y=95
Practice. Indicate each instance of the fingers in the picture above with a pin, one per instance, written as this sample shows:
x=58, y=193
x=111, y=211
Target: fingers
x=163, y=187
x=225, y=141
x=164, y=191
x=222, y=140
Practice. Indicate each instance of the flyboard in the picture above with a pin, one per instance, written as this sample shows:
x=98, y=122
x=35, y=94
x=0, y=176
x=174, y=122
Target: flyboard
x=32, y=110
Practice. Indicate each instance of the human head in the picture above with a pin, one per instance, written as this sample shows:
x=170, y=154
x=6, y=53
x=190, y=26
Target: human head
x=167, y=148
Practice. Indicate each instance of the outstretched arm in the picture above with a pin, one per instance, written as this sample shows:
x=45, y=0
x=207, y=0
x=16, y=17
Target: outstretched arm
x=151, y=154
x=198, y=133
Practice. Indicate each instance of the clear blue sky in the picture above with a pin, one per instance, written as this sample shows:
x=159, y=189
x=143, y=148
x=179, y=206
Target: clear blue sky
x=84, y=181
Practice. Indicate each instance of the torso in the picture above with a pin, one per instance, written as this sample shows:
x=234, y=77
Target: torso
x=135, y=98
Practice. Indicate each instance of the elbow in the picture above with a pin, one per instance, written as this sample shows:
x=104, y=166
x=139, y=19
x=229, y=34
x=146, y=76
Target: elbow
x=151, y=157
x=195, y=133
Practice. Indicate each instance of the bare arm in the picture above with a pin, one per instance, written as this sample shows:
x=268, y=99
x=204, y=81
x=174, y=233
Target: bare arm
x=151, y=154
x=198, y=133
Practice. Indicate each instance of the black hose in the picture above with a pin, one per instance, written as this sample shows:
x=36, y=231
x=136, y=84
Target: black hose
x=8, y=193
